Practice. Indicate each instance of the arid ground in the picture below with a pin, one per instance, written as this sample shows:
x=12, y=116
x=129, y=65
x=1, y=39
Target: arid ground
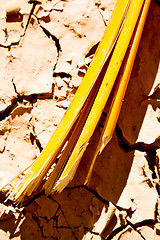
x=45, y=50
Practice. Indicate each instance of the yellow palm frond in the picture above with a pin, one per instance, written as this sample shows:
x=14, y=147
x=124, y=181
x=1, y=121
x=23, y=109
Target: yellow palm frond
x=110, y=67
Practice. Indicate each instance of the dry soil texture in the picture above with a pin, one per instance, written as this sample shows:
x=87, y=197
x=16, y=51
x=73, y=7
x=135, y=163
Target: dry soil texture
x=45, y=49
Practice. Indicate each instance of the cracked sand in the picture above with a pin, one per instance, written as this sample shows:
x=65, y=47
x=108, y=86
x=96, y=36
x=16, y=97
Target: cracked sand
x=31, y=97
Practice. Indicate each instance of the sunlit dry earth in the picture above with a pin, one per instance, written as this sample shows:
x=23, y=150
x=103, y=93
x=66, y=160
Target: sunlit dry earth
x=45, y=50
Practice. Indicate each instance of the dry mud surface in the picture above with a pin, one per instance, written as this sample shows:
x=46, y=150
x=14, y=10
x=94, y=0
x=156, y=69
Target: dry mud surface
x=45, y=50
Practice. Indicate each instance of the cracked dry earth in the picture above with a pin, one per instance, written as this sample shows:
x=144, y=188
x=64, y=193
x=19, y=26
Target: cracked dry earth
x=45, y=50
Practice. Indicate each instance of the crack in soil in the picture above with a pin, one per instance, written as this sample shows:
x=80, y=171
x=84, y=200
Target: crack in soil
x=35, y=218
x=149, y=149
x=93, y=192
x=9, y=45
x=134, y=226
x=151, y=157
x=114, y=233
x=30, y=15
x=14, y=86
x=31, y=98
x=54, y=38
x=50, y=197
x=140, y=146
x=103, y=18
x=34, y=137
